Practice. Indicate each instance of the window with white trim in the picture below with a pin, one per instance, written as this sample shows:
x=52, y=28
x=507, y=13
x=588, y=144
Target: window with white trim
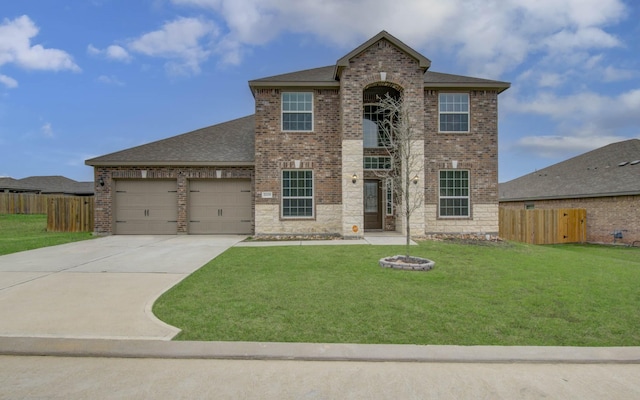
x=377, y=162
x=454, y=112
x=297, y=111
x=297, y=194
x=454, y=193
x=389, y=196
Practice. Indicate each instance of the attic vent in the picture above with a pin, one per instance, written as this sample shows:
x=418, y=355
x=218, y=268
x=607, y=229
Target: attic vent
x=635, y=162
x=622, y=164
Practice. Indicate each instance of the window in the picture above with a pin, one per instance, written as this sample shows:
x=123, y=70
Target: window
x=297, y=111
x=389, y=196
x=454, y=193
x=454, y=112
x=374, y=136
x=375, y=162
x=297, y=194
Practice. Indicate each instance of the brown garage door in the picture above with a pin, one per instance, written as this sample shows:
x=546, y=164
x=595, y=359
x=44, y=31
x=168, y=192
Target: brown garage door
x=146, y=207
x=220, y=206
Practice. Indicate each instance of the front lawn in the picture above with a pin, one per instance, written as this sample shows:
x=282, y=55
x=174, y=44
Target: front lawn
x=19, y=232
x=478, y=294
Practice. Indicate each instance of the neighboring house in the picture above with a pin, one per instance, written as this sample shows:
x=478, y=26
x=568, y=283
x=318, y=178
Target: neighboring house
x=305, y=163
x=10, y=185
x=59, y=185
x=605, y=182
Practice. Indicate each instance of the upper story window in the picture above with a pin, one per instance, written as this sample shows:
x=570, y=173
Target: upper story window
x=297, y=111
x=374, y=135
x=454, y=112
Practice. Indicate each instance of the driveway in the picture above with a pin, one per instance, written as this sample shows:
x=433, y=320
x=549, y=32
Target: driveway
x=101, y=288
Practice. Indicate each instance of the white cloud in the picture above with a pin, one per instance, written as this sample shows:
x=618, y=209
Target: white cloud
x=47, y=130
x=112, y=52
x=8, y=81
x=561, y=146
x=491, y=36
x=181, y=42
x=16, y=48
x=110, y=80
x=584, y=121
x=613, y=74
x=116, y=52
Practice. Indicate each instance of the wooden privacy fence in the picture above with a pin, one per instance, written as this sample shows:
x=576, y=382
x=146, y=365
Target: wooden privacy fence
x=566, y=225
x=70, y=214
x=23, y=203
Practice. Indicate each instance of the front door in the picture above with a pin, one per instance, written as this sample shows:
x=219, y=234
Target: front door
x=372, y=205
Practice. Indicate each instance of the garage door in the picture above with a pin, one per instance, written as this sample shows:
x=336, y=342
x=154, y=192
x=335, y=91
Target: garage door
x=220, y=206
x=146, y=207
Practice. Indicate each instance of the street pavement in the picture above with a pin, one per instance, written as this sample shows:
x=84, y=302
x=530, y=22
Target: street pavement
x=76, y=323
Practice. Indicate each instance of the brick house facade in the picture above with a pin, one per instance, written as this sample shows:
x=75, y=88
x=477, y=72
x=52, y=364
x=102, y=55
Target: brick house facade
x=311, y=162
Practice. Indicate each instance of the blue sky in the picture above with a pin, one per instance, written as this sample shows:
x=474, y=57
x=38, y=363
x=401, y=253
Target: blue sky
x=83, y=78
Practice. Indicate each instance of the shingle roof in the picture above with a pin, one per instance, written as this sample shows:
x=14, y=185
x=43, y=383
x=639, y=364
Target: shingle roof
x=58, y=184
x=16, y=185
x=612, y=170
x=323, y=76
x=227, y=143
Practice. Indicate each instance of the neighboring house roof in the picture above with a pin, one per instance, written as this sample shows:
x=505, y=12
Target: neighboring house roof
x=228, y=143
x=15, y=185
x=612, y=170
x=59, y=184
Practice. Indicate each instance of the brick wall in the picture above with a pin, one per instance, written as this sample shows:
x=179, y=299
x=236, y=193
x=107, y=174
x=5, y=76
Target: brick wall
x=604, y=215
x=476, y=151
x=402, y=73
x=104, y=195
x=277, y=150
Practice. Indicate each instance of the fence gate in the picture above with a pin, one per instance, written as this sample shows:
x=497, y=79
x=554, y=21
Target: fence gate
x=565, y=225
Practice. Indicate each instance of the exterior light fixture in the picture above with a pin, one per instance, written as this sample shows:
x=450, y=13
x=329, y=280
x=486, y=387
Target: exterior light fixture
x=101, y=181
x=354, y=178
x=415, y=180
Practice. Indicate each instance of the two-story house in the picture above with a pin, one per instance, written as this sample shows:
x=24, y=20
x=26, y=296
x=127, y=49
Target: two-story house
x=307, y=161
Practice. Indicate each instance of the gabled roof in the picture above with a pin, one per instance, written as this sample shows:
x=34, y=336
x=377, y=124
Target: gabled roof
x=423, y=62
x=329, y=76
x=612, y=170
x=228, y=143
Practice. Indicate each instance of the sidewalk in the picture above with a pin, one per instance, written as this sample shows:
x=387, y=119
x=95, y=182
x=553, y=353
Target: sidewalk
x=372, y=238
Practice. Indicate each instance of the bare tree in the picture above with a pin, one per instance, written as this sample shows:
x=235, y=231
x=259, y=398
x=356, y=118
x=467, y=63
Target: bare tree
x=401, y=140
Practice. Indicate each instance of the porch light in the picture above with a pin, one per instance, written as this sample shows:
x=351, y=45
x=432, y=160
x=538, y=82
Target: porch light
x=101, y=181
x=354, y=178
x=415, y=180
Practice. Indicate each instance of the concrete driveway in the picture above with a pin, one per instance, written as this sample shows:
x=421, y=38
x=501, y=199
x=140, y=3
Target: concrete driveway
x=101, y=288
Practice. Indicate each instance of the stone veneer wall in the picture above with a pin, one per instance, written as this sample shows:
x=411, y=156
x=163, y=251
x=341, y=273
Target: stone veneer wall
x=484, y=221
x=604, y=215
x=328, y=221
x=104, y=212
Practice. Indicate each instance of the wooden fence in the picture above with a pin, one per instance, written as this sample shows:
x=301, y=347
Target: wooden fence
x=70, y=214
x=64, y=213
x=566, y=225
x=23, y=203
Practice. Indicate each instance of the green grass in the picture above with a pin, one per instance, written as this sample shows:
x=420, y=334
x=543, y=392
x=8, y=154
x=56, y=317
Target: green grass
x=507, y=294
x=26, y=232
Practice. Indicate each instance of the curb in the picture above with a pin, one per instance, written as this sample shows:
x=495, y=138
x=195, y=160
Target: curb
x=66, y=347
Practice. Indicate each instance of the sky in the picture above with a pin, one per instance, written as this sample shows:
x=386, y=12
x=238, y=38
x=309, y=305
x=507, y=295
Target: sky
x=84, y=78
